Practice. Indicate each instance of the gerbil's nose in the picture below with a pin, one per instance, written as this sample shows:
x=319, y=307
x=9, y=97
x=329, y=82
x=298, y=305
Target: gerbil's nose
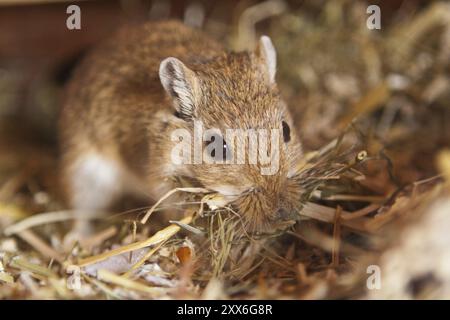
x=283, y=214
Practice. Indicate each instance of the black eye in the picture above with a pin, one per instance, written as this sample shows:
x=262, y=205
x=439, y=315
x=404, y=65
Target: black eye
x=177, y=114
x=213, y=146
x=286, y=132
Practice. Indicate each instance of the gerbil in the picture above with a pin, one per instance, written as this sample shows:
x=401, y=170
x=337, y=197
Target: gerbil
x=134, y=90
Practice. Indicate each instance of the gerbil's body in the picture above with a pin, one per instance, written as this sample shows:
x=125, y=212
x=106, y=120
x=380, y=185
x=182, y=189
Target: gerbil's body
x=127, y=98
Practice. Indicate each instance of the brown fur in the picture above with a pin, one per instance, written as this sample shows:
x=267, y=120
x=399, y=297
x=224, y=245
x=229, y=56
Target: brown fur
x=117, y=107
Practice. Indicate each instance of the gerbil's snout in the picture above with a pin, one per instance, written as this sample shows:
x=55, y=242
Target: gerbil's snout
x=263, y=208
x=283, y=213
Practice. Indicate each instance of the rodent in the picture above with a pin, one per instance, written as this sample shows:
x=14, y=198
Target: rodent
x=137, y=87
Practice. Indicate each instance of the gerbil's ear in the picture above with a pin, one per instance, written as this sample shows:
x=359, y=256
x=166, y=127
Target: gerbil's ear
x=181, y=84
x=265, y=51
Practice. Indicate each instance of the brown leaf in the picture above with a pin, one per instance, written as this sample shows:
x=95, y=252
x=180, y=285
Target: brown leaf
x=184, y=254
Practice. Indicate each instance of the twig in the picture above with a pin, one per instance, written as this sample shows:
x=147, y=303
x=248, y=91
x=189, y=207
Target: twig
x=157, y=238
x=37, y=243
x=144, y=258
x=49, y=217
x=326, y=214
x=167, y=195
x=336, y=237
x=113, y=278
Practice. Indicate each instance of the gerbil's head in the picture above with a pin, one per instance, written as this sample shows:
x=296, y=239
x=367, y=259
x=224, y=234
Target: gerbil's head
x=232, y=133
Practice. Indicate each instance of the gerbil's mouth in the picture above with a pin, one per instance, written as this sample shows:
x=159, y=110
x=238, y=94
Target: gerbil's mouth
x=260, y=216
x=274, y=209
x=261, y=210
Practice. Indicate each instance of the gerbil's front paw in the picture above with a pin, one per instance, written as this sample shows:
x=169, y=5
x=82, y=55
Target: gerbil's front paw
x=80, y=232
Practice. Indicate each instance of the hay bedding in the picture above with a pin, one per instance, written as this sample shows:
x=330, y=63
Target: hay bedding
x=373, y=108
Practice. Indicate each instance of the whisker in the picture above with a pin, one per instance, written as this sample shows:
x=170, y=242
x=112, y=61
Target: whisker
x=144, y=209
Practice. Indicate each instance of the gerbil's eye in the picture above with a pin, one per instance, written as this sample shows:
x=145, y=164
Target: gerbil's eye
x=286, y=132
x=177, y=114
x=217, y=148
